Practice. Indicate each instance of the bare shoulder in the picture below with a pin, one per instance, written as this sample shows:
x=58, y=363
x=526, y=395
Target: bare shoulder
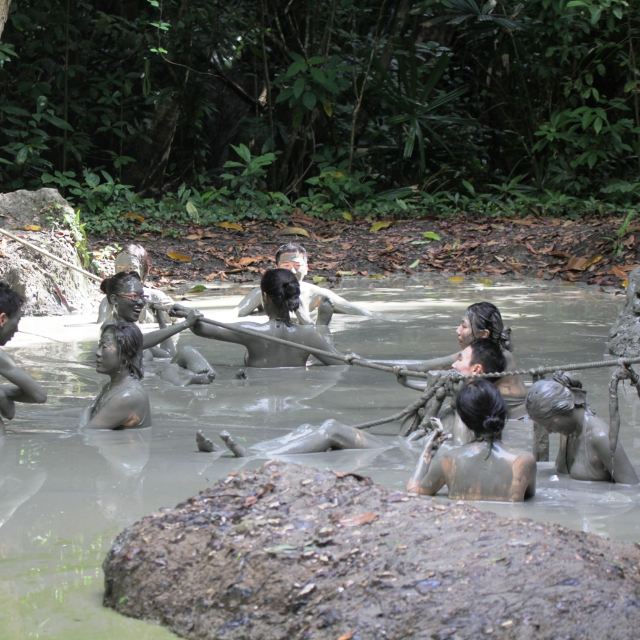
x=6, y=362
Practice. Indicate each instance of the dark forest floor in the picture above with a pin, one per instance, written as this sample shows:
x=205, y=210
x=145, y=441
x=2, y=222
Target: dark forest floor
x=591, y=250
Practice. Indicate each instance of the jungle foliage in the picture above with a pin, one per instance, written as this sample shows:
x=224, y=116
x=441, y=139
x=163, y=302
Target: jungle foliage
x=143, y=111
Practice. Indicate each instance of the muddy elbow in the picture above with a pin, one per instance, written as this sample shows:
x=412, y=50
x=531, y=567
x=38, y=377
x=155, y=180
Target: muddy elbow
x=40, y=397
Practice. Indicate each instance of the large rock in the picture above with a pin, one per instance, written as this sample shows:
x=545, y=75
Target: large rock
x=48, y=286
x=291, y=552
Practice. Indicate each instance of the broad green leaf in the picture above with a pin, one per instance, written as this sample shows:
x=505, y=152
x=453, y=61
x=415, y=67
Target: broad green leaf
x=346, y=215
x=298, y=87
x=309, y=100
x=176, y=256
x=295, y=231
x=431, y=235
x=318, y=279
x=197, y=288
x=232, y=226
x=191, y=208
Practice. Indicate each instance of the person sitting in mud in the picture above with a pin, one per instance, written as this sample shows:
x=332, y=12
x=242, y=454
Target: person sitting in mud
x=22, y=387
x=122, y=403
x=560, y=406
x=482, y=469
x=126, y=295
x=293, y=257
x=280, y=296
x=188, y=366
x=482, y=320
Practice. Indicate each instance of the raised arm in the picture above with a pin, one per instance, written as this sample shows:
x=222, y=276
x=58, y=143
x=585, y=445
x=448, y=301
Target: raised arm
x=250, y=303
x=428, y=477
x=22, y=387
x=214, y=332
x=153, y=338
x=340, y=304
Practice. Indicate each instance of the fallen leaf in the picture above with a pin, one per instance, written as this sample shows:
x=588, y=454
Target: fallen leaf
x=176, y=256
x=363, y=518
x=193, y=236
x=32, y=227
x=197, y=288
x=381, y=224
x=318, y=279
x=431, y=235
x=250, y=501
x=577, y=263
x=415, y=263
x=295, y=231
x=347, y=216
x=231, y=226
x=346, y=636
x=344, y=273
x=132, y=215
x=456, y=279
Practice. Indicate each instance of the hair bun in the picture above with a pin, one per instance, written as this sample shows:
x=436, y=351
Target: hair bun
x=493, y=424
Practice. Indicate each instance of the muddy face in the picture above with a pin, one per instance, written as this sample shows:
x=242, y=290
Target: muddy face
x=130, y=301
x=294, y=262
x=107, y=354
x=8, y=326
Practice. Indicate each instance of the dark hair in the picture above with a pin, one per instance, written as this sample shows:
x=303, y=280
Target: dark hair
x=129, y=340
x=489, y=354
x=290, y=247
x=482, y=409
x=10, y=300
x=485, y=316
x=282, y=287
x=137, y=254
x=116, y=283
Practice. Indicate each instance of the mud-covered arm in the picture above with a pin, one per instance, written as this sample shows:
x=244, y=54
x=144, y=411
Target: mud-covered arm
x=250, y=303
x=618, y=464
x=318, y=341
x=340, y=304
x=22, y=387
x=214, y=332
x=126, y=410
x=428, y=477
x=154, y=338
x=523, y=484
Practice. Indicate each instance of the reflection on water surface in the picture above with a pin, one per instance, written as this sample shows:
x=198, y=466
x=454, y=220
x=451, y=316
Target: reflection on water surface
x=65, y=495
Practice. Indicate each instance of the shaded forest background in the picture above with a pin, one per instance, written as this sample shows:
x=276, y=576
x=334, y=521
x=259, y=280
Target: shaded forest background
x=144, y=112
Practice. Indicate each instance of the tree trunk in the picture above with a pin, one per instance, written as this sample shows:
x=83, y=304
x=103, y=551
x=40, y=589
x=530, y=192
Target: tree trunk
x=4, y=13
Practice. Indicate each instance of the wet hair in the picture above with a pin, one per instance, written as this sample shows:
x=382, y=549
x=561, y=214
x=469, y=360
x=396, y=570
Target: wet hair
x=485, y=316
x=282, y=287
x=117, y=283
x=137, y=254
x=290, y=247
x=489, y=354
x=129, y=340
x=10, y=300
x=482, y=408
x=547, y=398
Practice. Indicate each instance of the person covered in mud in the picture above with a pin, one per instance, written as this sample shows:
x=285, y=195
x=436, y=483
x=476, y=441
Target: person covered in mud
x=624, y=335
x=482, y=320
x=188, y=366
x=280, y=297
x=480, y=470
x=126, y=295
x=293, y=256
x=122, y=403
x=585, y=453
x=21, y=386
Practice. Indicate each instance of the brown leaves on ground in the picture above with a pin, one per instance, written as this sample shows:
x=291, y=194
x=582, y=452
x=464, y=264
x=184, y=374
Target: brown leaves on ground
x=586, y=250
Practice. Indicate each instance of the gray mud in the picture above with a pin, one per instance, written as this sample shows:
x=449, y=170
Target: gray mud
x=293, y=552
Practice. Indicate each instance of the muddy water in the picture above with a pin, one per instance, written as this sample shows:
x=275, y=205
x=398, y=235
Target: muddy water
x=64, y=495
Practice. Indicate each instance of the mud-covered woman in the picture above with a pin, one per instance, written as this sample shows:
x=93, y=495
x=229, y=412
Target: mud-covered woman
x=123, y=402
x=482, y=469
x=280, y=297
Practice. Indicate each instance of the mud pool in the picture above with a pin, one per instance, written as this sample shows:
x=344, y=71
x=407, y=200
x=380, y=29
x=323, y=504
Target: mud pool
x=64, y=495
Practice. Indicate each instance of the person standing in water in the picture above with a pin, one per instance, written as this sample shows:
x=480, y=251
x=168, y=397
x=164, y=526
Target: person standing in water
x=280, y=296
x=560, y=406
x=22, y=387
x=482, y=469
x=122, y=403
x=293, y=256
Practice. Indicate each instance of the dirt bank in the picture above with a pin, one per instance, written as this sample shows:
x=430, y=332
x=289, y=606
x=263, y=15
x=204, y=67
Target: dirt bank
x=291, y=552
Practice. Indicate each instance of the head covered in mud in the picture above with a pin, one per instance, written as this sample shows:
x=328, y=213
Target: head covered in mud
x=293, y=256
x=483, y=320
x=125, y=292
x=120, y=347
x=482, y=408
x=281, y=288
x=558, y=397
x=134, y=257
x=11, y=303
x=481, y=356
